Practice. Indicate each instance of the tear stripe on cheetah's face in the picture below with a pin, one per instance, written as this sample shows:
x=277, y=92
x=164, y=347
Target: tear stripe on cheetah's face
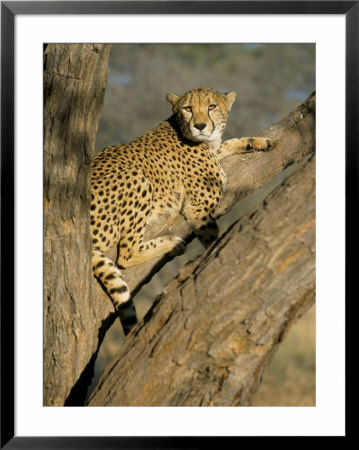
x=202, y=114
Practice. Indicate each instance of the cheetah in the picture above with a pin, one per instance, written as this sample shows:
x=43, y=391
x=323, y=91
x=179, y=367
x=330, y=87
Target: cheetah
x=173, y=168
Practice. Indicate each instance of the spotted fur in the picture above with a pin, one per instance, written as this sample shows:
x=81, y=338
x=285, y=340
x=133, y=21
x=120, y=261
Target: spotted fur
x=172, y=168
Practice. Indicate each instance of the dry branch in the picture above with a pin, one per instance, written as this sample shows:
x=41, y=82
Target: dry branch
x=210, y=334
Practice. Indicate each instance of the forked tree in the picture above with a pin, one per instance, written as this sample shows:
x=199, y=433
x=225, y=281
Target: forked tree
x=212, y=331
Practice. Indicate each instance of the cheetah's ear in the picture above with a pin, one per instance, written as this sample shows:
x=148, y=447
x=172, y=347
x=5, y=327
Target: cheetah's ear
x=172, y=99
x=229, y=99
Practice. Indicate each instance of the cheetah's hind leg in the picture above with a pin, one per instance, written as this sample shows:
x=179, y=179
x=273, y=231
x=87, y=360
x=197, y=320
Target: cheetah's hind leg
x=110, y=277
x=245, y=145
x=140, y=251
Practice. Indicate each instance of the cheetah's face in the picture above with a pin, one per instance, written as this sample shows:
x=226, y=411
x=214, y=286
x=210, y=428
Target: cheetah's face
x=202, y=113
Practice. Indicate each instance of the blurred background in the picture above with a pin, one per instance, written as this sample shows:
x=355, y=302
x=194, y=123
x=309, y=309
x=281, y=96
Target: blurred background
x=270, y=80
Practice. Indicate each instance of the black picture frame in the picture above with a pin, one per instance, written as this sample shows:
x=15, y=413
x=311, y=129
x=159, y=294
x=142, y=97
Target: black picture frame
x=9, y=10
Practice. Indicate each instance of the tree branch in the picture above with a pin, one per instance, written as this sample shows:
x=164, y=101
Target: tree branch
x=209, y=335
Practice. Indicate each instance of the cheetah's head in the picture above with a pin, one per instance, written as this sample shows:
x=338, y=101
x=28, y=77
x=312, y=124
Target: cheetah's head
x=202, y=113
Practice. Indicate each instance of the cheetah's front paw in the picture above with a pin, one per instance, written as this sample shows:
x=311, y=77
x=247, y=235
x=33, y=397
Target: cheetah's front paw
x=258, y=144
x=245, y=145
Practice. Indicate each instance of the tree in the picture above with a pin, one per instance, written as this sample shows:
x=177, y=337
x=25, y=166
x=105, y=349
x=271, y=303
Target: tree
x=74, y=86
x=77, y=312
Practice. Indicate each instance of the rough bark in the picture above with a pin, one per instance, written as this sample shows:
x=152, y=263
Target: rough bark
x=210, y=334
x=75, y=78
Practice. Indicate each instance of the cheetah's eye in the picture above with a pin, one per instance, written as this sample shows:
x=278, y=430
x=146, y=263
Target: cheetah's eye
x=188, y=108
x=212, y=107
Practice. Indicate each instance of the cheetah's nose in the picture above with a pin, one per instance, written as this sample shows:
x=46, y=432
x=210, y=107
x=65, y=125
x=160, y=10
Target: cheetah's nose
x=200, y=126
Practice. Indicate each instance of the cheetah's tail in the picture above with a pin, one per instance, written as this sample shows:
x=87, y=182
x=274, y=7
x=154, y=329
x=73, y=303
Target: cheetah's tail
x=112, y=281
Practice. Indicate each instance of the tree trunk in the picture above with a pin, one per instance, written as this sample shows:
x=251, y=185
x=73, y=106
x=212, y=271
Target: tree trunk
x=209, y=335
x=75, y=78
